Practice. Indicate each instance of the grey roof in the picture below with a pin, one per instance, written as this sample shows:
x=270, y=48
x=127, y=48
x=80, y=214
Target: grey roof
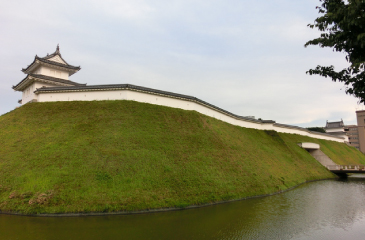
x=53, y=79
x=57, y=52
x=338, y=124
x=45, y=60
x=52, y=63
x=267, y=121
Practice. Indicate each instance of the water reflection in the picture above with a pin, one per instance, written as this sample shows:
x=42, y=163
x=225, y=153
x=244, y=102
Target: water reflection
x=320, y=210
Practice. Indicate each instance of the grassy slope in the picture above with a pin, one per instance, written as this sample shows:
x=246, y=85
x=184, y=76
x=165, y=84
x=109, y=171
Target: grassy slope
x=124, y=155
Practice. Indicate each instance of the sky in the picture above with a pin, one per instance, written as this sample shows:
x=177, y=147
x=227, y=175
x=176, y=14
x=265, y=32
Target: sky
x=245, y=56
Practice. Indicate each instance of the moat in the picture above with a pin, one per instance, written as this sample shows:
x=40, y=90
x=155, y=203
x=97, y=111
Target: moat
x=331, y=209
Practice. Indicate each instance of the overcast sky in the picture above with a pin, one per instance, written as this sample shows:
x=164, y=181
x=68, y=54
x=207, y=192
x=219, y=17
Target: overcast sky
x=244, y=56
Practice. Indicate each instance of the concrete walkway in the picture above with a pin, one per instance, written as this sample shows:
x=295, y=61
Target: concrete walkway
x=321, y=157
x=314, y=150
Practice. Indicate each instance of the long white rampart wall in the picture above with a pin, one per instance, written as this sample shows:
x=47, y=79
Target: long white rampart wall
x=175, y=102
x=28, y=93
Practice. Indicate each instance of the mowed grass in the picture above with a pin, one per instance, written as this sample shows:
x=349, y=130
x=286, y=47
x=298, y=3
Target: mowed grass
x=107, y=156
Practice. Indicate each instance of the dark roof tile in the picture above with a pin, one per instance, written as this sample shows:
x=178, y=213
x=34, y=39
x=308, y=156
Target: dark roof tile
x=46, y=60
x=338, y=124
x=52, y=63
x=53, y=79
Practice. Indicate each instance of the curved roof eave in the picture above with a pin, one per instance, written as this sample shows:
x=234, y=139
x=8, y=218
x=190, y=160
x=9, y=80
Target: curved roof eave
x=39, y=61
x=31, y=77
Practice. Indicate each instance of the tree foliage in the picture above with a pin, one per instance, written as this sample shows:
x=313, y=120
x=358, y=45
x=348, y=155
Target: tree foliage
x=343, y=28
x=317, y=129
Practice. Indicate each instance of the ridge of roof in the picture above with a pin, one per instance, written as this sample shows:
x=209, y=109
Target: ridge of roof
x=337, y=124
x=47, y=61
x=51, y=63
x=57, y=52
x=53, y=79
x=56, y=79
x=57, y=63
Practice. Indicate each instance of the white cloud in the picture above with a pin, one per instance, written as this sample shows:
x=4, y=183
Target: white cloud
x=122, y=9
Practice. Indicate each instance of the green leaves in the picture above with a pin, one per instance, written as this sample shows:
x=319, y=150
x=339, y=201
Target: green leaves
x=343, y=27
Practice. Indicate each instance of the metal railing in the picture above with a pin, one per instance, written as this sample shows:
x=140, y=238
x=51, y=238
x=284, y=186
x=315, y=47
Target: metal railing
x=346, y=167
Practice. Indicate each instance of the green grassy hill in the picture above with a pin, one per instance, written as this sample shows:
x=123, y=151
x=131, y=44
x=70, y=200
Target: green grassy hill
x=123, y=156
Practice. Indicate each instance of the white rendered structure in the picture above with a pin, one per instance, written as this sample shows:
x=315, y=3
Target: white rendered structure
x=49, y=71
x=337, y=129
x=308, y=145
x=47, y=81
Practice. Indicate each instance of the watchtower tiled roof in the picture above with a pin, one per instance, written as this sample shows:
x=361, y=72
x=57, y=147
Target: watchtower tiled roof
x=339, y=124
x=30, y=78
x=47, y=61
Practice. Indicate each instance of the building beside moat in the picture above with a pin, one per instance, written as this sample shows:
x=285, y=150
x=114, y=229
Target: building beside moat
x=353, y=134
x=360, y=117
x=337, y=129
x=48, y=80
x=49, y=71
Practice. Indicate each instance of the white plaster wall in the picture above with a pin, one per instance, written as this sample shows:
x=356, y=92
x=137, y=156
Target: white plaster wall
x=305, y=133
x=290, y=130
x=42, y=84
x=28, y=94
x=83, y=96
x=52, y=72
x=38, y=70
x=56, y=59
x=308, y=145
x=172, y=102
x=147, y=98
x=335, y=130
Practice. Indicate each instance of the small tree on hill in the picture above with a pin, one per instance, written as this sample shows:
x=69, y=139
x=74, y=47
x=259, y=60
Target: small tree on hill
x=343, y=27
x=317, y=129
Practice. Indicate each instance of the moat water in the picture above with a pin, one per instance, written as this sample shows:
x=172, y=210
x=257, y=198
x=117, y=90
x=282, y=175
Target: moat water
x=328, y=209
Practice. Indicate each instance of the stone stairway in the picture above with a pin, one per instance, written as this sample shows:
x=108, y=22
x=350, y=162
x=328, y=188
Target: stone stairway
x=321, y=157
